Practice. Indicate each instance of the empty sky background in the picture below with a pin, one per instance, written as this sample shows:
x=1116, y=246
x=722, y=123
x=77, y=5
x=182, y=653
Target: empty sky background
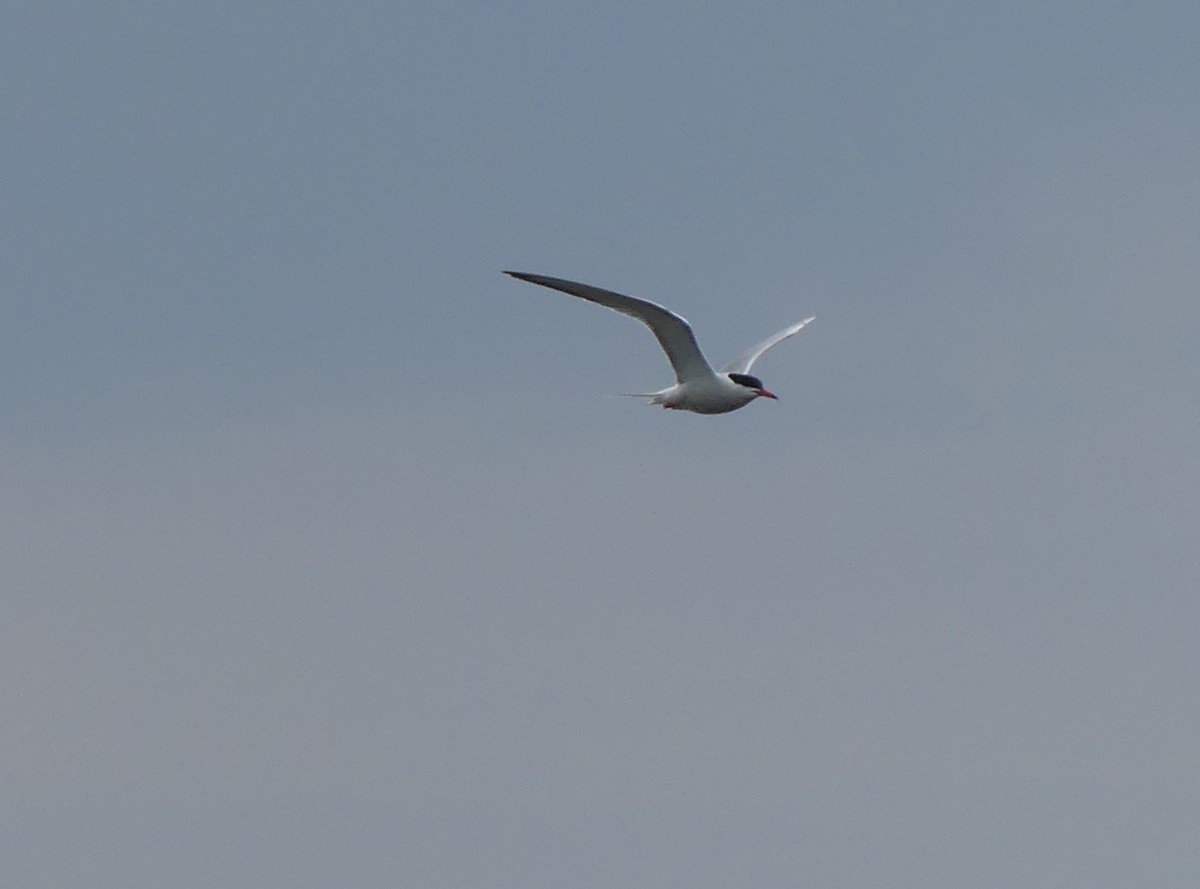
x=328, y=561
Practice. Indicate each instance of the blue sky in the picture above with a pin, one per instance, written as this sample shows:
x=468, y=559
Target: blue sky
x=328, y=559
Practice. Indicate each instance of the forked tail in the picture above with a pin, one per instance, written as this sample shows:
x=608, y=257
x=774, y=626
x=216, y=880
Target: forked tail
x=652, y=397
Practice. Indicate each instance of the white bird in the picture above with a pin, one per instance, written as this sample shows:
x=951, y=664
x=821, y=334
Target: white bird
x=698, y=387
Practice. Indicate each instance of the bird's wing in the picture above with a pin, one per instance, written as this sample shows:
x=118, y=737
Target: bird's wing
x=744, y=362
x=673, y=333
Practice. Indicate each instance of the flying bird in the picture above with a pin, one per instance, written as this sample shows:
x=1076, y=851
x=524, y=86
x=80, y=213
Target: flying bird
x=698, y=387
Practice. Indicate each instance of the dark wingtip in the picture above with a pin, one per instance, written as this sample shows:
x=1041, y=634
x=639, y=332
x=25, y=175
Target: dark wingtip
x=532, y=279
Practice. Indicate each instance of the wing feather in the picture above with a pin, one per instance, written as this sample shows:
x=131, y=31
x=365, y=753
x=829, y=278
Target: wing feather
x=744, y=362
x=673, y=333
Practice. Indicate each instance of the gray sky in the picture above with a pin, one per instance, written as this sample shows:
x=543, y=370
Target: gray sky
x=327, y=559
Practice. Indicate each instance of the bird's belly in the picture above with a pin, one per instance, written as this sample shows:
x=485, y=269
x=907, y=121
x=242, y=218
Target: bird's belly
x=712, y=402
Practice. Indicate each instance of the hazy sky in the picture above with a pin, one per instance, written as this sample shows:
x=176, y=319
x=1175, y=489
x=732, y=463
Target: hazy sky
x=328, y=561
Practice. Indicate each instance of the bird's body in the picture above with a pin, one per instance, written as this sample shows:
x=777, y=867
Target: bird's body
x=698, y=388
x=713, y=394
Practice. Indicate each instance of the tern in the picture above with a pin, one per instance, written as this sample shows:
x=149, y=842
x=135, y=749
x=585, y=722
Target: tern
x=698, y=388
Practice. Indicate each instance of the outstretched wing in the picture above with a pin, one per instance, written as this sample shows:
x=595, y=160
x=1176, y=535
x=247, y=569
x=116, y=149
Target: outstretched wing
x=744, y=362
x=673, y=333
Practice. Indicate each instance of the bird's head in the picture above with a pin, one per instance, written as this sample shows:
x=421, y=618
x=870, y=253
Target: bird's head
x=752, y=383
